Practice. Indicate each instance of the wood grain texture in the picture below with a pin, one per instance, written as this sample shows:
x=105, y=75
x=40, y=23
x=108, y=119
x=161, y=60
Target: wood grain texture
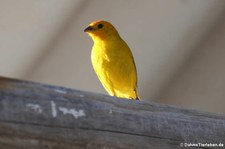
x=34, y=116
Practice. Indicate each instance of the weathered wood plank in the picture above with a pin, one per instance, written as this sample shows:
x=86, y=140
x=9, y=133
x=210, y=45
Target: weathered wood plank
x=34, y=116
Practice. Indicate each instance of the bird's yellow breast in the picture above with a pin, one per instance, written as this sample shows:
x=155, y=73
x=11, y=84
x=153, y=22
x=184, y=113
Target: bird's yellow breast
x=114, y=65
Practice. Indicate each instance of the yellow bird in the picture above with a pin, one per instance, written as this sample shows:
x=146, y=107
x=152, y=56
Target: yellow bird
x=113, y=61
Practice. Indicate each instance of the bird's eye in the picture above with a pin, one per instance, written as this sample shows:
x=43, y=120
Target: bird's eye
x=100, y=26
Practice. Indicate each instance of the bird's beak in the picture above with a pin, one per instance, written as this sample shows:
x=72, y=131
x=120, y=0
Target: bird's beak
x=89, y=28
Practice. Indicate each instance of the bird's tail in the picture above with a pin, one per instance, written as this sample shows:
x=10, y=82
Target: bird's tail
x=137, y=95
x=138, y=98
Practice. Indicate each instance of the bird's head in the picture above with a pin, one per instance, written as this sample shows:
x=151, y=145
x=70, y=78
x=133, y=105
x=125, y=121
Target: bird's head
x=101, y=29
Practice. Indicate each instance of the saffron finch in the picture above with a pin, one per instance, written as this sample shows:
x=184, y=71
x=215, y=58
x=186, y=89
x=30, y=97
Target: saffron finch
x=113, y=61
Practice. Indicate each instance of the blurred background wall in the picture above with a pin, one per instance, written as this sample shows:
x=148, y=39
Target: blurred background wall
x=178, y=46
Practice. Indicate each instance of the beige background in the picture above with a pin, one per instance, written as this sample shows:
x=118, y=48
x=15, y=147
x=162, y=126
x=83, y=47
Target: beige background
x=178, y=45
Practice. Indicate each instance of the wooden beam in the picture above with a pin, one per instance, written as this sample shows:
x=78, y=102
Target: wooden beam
x=39, y=116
